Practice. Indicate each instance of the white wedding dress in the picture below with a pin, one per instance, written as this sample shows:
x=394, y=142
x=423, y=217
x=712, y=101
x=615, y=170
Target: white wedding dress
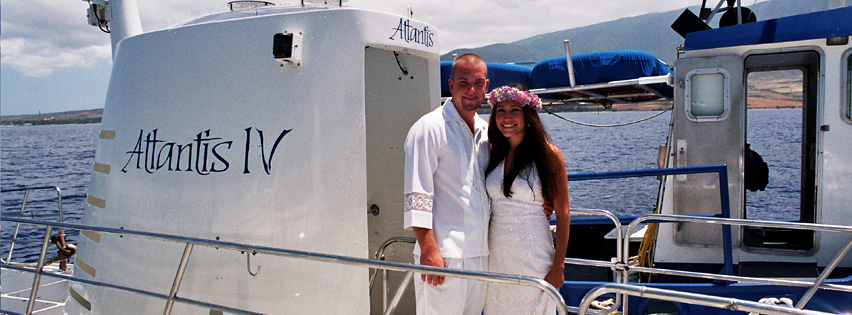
x=519, y=243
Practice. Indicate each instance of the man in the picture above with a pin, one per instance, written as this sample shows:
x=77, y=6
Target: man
x=446, y=153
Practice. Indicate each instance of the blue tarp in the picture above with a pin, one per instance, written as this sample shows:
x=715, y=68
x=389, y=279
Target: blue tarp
x=588, y=69
x=822, y=24
x=498, y=73
x=597, y=67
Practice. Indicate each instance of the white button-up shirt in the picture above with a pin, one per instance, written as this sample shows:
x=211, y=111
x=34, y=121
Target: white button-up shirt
x=445, y=183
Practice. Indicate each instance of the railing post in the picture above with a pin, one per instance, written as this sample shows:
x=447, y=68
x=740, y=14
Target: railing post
x=38, y=271
x=727, y=243
x=406, y=279
x=17, y=225
x=824, y=275
x=384, y=290
x=178, y=278
x=59, y=197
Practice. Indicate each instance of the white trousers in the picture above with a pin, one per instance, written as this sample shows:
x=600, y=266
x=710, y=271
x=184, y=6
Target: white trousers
x=455, y=295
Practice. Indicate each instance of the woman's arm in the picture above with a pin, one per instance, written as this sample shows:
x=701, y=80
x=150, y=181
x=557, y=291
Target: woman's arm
x=563, y=224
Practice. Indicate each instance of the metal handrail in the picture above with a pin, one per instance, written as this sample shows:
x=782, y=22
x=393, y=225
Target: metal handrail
x=305, y=255
x=26, y=191
x=720, y=169
x=619, y=236
x=727, y=222
x=380, y=255
x=692, y=298
x=660, y=218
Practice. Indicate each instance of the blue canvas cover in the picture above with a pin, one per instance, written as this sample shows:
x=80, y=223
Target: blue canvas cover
x=822, y=24
x=597, y=67
x=600, y=67
x=498, y=73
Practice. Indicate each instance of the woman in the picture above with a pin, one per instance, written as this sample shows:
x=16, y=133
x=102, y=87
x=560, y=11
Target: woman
x=525, y=171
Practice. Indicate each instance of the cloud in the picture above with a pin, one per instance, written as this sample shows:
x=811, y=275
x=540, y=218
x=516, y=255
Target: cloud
x=41, y=36
x=40, y=59
x=476, y=23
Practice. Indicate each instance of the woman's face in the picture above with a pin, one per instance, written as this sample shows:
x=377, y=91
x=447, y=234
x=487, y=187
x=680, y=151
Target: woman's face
x=509, y=117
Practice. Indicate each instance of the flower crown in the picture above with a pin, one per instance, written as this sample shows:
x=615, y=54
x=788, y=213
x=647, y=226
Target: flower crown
x=508, y=93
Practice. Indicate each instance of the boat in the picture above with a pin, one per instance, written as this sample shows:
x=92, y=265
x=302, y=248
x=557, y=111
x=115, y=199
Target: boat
x=221, y=183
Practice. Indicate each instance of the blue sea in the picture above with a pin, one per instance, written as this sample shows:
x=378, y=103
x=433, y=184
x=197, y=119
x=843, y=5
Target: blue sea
x=62, y=155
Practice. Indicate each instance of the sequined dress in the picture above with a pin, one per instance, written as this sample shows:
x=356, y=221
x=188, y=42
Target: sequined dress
x=520, y=243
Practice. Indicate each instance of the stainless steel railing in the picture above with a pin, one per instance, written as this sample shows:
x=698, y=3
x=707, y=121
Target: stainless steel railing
x=191, y=242
x=687, y=297
x=623, y=269
x=813, y=285
x=24, y=201
x=380, y=255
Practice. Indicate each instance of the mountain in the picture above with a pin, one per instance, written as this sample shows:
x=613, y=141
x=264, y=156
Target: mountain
x=649, y=32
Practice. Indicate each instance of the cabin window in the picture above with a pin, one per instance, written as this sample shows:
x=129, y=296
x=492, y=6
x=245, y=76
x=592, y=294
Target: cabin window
x=707, y=94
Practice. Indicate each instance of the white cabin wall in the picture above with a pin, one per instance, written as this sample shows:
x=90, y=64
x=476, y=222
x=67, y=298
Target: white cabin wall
x=220, y=76
x=834, y=198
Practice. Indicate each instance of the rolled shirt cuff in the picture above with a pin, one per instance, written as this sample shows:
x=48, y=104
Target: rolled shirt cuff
x=415, y=218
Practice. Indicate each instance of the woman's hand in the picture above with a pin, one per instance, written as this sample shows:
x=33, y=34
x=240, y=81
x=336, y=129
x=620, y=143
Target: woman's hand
x=555, y=277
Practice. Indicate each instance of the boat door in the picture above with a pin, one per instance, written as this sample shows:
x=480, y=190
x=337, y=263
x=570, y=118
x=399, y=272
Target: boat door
x=712, y=127
x=789, y=79
x=399, y=87
x=709, y=129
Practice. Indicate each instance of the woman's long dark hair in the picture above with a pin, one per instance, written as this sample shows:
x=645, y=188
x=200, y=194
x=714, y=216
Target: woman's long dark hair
x=535, y=147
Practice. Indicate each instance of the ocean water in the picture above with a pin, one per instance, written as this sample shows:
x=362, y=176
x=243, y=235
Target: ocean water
x=58, y=155
x=775, y=134
x=62, y=156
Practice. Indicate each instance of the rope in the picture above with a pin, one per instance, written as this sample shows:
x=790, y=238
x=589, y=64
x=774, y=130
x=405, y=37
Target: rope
x=604, y=126
x=68, y=251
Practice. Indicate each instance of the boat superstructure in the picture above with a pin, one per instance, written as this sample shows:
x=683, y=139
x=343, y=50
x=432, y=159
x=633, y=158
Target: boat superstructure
x=705, y=236
x=276, y=126
x=250, y=161
x=711, y=127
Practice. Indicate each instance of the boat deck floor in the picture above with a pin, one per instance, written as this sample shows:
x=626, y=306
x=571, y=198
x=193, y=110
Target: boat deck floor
x=51, y=296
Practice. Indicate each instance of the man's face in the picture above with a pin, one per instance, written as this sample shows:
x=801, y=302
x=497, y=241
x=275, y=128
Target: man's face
x=469, y=85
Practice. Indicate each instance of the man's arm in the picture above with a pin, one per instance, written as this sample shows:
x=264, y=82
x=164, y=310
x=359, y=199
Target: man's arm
x=429, y=255
x=421, y=162
x=548, y=209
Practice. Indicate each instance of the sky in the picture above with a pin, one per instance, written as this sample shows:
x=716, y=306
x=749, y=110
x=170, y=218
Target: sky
x=51, y=60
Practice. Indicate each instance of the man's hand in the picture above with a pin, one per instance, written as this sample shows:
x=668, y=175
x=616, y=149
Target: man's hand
x=433, y=258
x=548, y=209
x=429, y=255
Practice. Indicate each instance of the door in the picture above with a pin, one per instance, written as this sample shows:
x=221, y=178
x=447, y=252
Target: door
x=709, y=129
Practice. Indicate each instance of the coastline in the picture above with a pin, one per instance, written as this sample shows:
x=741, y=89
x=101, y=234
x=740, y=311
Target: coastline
x=89, y=116
x=94, y=116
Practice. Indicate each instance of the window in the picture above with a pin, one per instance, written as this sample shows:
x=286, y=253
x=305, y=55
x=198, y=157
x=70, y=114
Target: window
x=707, y=94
